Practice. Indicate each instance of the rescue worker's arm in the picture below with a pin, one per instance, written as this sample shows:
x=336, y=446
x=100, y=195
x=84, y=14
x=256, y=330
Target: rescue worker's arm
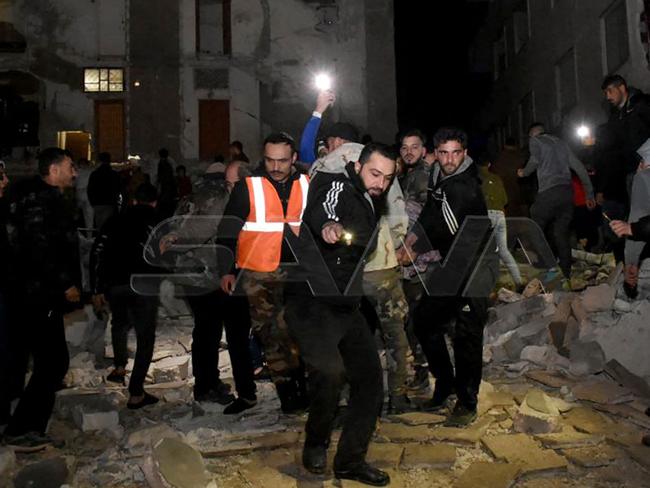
x=99, y=258
x=326, y=210
x=533, y=161
x=310, y=132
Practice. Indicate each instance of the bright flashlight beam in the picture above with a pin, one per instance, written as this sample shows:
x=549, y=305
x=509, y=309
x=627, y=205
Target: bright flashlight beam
x=323, y=82
x=583, y=131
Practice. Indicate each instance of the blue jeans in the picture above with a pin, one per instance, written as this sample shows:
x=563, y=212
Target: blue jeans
x=498, y=220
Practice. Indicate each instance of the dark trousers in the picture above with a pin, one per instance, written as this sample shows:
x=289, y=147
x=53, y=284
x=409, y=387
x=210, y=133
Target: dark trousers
x=433, y=317
x=553, y=212
x=211, y=313
x=130, y=309
x=337, y=346
x=44, y=339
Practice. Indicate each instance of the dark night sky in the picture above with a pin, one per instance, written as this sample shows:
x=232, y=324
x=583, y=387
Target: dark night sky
x=435, y=86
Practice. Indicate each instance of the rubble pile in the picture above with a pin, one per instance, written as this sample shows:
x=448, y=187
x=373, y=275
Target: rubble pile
x=562, y=404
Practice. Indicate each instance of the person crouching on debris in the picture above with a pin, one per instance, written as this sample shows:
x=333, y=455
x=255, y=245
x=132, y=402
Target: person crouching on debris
x=118, y=253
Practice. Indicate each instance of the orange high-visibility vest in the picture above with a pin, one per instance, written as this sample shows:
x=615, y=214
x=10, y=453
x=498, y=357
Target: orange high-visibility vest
x=259, y=245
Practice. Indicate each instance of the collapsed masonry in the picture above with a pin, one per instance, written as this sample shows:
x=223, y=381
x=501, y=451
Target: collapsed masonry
x=562, y=404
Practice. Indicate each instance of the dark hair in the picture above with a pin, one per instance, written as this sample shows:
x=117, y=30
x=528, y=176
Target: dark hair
x=219, y=158
x=163, y=153
x=238, y=145
x=366, y=139
x=376, y=147
x=146, y=193
x=48, y=157
x=536, y=125
x=447, y=134
x=616, y=80
x=104, y=157
x=414, y=133
x=281, y=138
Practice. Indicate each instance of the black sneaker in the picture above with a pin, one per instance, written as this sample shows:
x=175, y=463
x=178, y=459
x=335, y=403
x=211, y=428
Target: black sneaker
x=363, y=473
x=420, y=381
x=239, y=405
x=399, y=404
x=223, y=397
x=146, y=401
x=439, y=401
x=461, y=416
x=314, y=458
x=28, y=443
x=115, y=377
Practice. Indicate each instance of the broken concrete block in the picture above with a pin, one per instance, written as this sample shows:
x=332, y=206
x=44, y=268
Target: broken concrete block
x=76, y=333
x=593, y=457
x=150, y=436
x=534, y=331
x=268, y=477
x=568, y=438
x=522, y=450
x=69, y=402
x=49, y=473
x=513, y=345
x=531, y=421
x=494, y=475
x=523, y=310
x=535, y=354
x=179, y=465
x=385, y=454
x=600, y=391
x=468, y=435
x=98, y=421
x=586, y=358
x=426, y=456
x=419, y=418
x=171, y=369
x=578, y=310
x=622, y=306
x=7, y=462
x=587, y=420
x=627, y=379
x=404, y=433
x=598, y=298
x=548, y=378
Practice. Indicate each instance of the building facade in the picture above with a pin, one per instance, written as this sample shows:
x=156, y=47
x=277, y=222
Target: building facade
x=549, y=57
x=189, y=75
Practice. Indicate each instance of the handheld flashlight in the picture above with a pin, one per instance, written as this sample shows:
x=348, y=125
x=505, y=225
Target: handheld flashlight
x=583, y=132
x=346, y=238
x=607, y=217
x=323, y=82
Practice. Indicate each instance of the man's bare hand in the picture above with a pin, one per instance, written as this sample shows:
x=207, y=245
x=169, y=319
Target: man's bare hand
x=99, y=302
x=167, y=242
x=228, y=283
x=520, y=172
x=591, y=203
x=621, y=228
x=325, y=100
x=72, y=295
x=332, y=232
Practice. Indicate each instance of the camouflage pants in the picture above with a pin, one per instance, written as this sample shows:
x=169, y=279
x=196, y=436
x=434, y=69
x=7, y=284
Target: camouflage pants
x=413, y=290
x=383, y=289
x=265, y=293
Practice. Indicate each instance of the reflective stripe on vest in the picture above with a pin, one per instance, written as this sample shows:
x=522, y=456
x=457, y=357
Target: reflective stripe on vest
x=259, y=246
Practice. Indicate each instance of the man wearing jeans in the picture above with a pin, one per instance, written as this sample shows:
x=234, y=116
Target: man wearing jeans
x=553, y=160
x=496, y=200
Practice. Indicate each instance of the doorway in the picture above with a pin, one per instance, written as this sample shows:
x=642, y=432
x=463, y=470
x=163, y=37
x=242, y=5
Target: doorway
x=109, y=128
x=214, y=128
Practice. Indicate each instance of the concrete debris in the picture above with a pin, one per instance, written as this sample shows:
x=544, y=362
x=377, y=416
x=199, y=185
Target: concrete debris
x=49, y=473
x=436, y=456
x=148, y=437
x=586, y=358
x=602, y=391
x=598, y=298
x=177, y=464
x=522, y=450
x=507, y=296
x=533, y=288
x=99, y=422
x=171, y=369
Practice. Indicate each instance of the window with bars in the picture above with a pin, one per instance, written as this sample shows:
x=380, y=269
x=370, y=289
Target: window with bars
x=97, y=80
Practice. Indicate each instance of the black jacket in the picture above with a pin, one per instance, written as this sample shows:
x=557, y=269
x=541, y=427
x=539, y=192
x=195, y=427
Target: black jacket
x=341, y=198
x=104, y=186
x=631, y=125
x=5, y=257
x=239, y=206
x=44, y=242
x=450, y=200
x=118, y=250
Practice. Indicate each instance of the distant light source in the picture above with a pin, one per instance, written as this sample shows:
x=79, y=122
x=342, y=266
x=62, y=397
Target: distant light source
x=583, y=132
x=136, y=83
x=323, y=82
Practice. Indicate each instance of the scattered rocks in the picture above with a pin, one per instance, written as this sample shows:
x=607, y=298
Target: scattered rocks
x=522, y=450
x=494, y=475
x=419, y=418
x=49, y=473
x=171, y=369
x=177, y=464
x=598, y=298
x=586, y=358
x=426, y=456
x=593, y=457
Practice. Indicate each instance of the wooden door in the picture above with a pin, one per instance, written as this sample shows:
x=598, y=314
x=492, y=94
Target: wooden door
x=214, y=128
x=110, y=130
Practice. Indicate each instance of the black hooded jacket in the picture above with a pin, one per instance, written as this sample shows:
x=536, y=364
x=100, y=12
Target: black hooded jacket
x=450, y=200
x=631, y=125
x=340, y=198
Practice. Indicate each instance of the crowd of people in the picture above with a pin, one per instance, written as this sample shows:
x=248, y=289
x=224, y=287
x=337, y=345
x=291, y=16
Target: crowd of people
x=325, y=246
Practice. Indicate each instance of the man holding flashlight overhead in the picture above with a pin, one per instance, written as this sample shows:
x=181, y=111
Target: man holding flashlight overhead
x=335, y=342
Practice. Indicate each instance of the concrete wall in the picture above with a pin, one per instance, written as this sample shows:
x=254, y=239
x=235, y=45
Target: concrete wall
x=554, y=31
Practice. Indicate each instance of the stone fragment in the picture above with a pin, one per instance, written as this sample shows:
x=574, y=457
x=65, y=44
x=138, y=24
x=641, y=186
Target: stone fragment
x=627, y=379
x=494, y=475
x=171, y=369
x=266, y=477
x=98, y=421
x=600, y=391
x=521, y=311
x=275, y=440
x=548, y=378
x=593, y=457
x=578, y=310
x=622, y=306
x=521, y=449
x=586, y=358
x=179, y=464
x=404, y=433
x=385, y=455
x=535, y=354
x=49, y=473
x=150, y=436
x=598, y=298
x=419, y=418
x=530, y=421
x=76, y=333
x=568, y=438
x=429, y=456
x=587, y=420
